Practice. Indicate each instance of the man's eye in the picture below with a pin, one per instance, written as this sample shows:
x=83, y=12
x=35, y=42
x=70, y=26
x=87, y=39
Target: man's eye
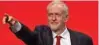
x=57, y=14
x=50, y=14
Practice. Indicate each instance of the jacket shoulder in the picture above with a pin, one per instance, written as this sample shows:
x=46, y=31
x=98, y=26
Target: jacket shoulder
x=80, y=34
x=42, y=28
x=82, y=38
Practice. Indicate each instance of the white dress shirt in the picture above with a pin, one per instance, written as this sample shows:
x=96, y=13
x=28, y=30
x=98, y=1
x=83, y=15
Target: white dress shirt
x=65, y=40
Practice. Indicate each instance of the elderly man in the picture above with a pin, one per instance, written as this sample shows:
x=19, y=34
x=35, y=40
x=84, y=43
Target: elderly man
x=56, y=33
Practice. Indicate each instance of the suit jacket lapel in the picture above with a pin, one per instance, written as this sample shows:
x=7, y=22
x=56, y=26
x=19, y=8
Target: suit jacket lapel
x=48, y=36
x=74, y=39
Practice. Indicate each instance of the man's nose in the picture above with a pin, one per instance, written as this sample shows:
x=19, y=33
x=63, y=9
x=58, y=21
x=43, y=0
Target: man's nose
x=53, y=17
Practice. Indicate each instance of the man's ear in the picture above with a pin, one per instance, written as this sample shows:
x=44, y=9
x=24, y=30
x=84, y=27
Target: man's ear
x=66, y=18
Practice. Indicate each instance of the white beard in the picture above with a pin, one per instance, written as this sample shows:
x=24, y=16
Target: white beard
x=54, y=27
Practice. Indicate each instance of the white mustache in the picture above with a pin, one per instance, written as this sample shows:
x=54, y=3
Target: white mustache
x=54, y=22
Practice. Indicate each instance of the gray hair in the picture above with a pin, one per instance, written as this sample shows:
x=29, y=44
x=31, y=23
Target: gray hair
x=60, y=3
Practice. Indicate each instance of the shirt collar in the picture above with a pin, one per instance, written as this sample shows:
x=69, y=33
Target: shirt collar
x=63, y=35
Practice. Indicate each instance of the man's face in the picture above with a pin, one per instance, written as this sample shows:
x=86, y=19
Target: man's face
x=56, y=18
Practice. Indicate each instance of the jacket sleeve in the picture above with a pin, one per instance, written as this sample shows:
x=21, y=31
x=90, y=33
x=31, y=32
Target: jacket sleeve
x=28, y=37
x=89, y=41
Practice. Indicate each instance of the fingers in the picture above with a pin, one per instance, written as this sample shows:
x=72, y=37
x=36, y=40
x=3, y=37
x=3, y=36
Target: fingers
x=8, y=19
x=12, y=21
x=5, y=18
x=4, y=21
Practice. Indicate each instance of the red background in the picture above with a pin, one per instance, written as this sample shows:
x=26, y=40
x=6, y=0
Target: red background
x=83, y=17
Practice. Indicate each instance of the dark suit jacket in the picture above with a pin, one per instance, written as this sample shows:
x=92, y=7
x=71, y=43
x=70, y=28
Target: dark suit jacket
x=42, y=35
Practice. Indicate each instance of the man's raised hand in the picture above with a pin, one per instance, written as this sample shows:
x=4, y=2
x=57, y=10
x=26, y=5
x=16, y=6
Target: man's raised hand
x=8, y=19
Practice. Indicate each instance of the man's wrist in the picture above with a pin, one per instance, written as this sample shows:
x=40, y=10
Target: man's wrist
x=16, y=27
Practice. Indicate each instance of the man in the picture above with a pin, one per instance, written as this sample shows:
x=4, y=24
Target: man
x=56, y=33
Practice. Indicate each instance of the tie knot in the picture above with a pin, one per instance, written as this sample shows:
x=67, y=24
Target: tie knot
x=58, y=37
x=58, y=40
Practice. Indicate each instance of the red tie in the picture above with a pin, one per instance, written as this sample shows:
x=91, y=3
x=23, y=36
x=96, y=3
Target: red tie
x=58, y=40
